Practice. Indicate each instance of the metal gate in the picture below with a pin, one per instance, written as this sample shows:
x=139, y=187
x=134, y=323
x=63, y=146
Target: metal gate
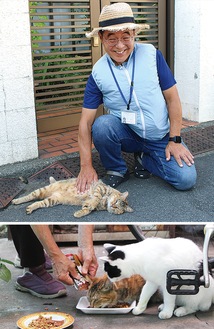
x=63, y=57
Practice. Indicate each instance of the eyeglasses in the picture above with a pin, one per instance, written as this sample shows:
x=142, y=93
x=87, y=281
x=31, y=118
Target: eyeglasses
x=114, y=41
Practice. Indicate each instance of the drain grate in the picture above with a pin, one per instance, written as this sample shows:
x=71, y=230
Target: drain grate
x=73, y=164
x=9, y=188
x=199, y=140
x=56, y=170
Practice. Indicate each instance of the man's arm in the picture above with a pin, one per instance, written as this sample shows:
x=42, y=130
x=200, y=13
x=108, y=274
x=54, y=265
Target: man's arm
x=87, y=172
x=175, y=117
x=174, y=110
x=62, y=266
x=86, y=249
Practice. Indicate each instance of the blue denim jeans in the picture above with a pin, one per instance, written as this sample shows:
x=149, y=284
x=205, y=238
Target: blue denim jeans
x=111, y=137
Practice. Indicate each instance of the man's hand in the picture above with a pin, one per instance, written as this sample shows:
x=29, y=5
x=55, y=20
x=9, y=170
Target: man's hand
x=180, y=153
x=64, y=269
x=89, y=261
x=85, y=178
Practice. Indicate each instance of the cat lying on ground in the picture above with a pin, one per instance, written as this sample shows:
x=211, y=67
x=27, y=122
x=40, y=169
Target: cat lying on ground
x=153, y=258
x=98, y=197
x=103, y=293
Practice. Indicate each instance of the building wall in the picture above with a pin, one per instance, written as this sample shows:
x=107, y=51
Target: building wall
x=194, y=53
x=18, y=135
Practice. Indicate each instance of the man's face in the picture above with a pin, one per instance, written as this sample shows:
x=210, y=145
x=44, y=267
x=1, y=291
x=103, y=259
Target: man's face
x=118, y=45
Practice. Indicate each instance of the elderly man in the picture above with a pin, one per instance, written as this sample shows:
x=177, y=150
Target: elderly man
x=144, y=114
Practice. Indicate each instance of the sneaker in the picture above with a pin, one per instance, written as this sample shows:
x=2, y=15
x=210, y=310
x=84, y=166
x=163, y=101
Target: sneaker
x=40, y=284
x=139, y=171
x=48, y=264
x=114, y=178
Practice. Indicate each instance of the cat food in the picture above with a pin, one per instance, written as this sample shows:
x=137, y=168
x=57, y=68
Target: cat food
x=45, y=323
x=118, y=305
x=83, y=286
x=121, y=305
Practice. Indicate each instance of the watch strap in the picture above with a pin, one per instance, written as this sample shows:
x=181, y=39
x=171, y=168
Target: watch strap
x=175, y=139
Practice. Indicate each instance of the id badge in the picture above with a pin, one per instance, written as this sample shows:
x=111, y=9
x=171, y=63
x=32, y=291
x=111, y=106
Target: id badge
x=128, y=117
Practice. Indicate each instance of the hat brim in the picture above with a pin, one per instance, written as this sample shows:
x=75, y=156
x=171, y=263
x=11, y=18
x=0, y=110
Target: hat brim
x=119, y=27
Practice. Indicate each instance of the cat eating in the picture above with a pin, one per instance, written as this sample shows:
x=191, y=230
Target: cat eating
x=152, y=259
x=99, y=197
x=103, y=293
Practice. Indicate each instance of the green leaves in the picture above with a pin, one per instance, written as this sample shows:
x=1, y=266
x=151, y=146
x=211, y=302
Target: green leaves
x=5, y=273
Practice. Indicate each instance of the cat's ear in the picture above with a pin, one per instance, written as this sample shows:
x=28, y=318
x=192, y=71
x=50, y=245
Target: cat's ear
x=109, y=247
x=107, y=284
x=125, y=195
x=52, y=180
x=104, y=258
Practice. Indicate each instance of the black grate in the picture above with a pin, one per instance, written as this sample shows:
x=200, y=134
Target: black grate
x=73, y=164
x=9, y=188
x=56, y=170
x=199, y=140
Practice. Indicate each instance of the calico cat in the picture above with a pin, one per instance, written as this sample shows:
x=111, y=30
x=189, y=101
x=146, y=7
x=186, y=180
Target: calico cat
x=153, y=258
x=103, y=293
x=98, y=197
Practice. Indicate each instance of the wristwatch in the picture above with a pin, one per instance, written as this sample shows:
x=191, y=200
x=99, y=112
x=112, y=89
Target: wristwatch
x=175, y=139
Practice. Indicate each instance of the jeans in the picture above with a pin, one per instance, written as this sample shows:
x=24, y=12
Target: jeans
x=111, y=137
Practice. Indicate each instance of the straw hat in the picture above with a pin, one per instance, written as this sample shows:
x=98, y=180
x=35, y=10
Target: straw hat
x=117, y=17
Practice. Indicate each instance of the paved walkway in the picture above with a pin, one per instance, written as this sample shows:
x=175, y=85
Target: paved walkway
x=153, y=200
x=15, y=304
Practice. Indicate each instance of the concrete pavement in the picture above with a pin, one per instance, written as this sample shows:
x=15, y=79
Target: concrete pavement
x=15, y=304
x=151, y=199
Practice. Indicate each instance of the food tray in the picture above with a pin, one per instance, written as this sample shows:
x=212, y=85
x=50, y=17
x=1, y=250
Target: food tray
x=83, y=305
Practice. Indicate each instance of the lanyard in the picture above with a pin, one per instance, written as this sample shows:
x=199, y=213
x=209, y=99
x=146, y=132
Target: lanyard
x=131, y=84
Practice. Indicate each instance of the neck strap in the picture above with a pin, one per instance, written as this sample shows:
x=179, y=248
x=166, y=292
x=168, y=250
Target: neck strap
x=131, y=84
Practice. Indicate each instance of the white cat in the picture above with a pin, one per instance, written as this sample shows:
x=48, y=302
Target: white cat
x=152, y=259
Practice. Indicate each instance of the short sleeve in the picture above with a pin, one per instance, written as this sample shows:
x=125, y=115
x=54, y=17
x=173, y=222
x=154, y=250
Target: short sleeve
x=166, y=77
x=92, y=95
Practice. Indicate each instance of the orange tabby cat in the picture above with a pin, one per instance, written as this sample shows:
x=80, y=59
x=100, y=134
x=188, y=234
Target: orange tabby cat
x=98, y=197
x=103, y=293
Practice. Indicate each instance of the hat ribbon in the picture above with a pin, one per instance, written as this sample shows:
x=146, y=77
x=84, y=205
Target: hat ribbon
x=115, y=21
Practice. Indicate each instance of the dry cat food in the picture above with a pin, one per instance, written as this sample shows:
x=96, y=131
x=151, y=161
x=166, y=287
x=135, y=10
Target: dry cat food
x=118, y=305
x=121, y=305
x=45, y=323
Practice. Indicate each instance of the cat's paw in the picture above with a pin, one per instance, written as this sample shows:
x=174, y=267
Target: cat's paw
x=15, y=201
x=78, y=214
x=138, y=310
x=29, y=210
x=160, y=308
x=180, y=311
x=165, y=315
x=82, y=212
